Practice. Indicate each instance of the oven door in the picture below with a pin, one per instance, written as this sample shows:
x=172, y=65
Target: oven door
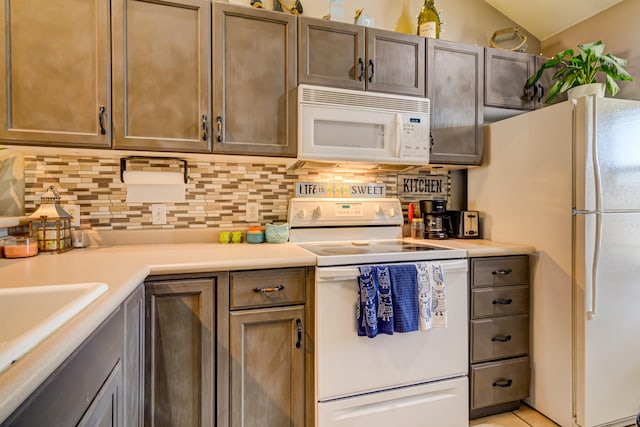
x=348, y=364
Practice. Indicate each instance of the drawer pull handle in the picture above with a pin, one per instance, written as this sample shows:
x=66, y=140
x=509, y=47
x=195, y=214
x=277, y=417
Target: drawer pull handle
x=299, y=331
x=269, y=290
x=501, y=338
x=502, y=301
x=503, y=272
x=503, y=383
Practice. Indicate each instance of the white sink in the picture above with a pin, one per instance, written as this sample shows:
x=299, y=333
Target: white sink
x=28, y=315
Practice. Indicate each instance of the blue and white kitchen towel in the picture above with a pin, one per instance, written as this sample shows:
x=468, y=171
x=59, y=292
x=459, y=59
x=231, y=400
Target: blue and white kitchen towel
x=400, y=298
x=431, y=296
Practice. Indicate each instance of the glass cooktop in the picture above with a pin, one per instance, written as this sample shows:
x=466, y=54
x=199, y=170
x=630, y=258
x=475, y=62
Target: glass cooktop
x=366, y=247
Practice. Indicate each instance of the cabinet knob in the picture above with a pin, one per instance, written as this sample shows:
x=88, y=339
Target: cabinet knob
x=540, y=92
x=501, y=338
x=101, y=114
x=205, y=134
x=371, y=70
x=503, y=272
x=502, y=301
x=219, y=128
x=299, y=333
x=361, y=65
x=269, y=290
x=504, y=383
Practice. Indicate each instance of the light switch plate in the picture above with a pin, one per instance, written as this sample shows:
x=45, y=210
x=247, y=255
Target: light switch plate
x=74, y=211
x=158, y=214
x=252, y=212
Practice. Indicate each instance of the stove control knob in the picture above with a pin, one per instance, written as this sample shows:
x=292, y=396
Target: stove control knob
x=317, y=212
x=302, y=213
x=392, y=212
x=378, y=210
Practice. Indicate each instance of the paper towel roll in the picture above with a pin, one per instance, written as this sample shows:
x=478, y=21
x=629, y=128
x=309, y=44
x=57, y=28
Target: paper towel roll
x=155, y=187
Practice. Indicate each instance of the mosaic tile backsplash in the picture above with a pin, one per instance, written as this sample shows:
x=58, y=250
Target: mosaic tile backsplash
x=216, y=193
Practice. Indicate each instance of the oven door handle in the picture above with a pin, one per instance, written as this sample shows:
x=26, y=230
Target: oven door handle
x=332, y=274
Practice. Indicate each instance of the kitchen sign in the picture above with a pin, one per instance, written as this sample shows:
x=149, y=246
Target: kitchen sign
x=340, y=189
x=422, y=187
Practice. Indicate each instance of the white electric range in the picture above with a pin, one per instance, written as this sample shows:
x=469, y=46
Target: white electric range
x=406, y=379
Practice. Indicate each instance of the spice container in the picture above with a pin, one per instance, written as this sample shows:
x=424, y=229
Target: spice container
x=417, y=228
x=20, y=247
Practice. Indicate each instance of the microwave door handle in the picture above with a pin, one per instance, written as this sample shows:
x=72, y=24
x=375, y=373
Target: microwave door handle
x=398, y=134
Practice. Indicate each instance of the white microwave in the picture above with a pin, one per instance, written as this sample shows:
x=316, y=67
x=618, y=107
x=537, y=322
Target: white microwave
x=341, y=125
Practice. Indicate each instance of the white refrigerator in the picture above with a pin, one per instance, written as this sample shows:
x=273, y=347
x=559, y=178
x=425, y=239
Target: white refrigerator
x=566, y=179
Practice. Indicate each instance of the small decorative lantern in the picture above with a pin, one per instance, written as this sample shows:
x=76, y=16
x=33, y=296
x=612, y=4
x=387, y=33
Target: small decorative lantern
x=51, y=224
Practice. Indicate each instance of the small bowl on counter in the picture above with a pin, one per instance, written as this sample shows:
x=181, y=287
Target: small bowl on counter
x=19, y=247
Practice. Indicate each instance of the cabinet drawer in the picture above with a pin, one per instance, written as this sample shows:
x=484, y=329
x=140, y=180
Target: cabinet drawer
x=499, y=382
x=499, y=301
x=262, y=288
x=499, y=337
x=497, y=271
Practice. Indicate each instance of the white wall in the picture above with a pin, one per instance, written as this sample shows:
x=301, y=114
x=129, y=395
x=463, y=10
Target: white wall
x=618, y=28
x=466, y=21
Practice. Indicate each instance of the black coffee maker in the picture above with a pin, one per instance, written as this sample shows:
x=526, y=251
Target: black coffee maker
x=435, y=218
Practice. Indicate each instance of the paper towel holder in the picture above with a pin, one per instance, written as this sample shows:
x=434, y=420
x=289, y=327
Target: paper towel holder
x=123, y=164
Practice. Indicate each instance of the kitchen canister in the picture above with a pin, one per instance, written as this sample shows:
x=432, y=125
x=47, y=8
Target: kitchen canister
x=255, y=234
x=277, y=233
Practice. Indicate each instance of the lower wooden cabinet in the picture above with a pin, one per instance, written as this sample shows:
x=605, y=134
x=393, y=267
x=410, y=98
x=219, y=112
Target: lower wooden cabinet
x=267, y=367
x=180, y=334
x=500, y=370
x=99, y=384
x=268, y=347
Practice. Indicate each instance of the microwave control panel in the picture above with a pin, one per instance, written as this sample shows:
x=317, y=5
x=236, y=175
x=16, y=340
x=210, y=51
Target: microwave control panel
x=413, y=131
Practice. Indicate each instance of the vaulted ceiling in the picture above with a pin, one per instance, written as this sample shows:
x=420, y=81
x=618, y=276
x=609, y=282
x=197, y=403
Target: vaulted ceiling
x=545, y=18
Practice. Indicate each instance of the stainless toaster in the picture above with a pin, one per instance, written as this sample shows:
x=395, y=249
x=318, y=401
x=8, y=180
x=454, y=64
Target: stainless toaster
x=463, y=224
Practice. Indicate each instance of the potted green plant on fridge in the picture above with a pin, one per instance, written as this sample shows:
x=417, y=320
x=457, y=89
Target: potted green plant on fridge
x=577, y=69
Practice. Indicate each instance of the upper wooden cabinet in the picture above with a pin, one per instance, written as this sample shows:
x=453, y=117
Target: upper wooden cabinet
x=254, y=81
x=356, y=57
x=543, y=86
x=506, y=74
x=54, y=59
x=161, y=75
x=455, y=87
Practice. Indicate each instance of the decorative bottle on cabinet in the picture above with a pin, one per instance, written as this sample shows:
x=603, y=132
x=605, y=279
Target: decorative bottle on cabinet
x=405, y=23
x=429, y=20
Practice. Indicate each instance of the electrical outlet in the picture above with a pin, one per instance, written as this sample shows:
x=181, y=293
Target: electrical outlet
x=158, y=214
x=74, y=211
x=252, y=212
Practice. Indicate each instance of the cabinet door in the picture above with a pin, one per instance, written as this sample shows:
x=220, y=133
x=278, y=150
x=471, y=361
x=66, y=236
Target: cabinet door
x=395, y=62
x=106, y=408
x=54, y=57
x=89, y=381
x=161, y=75
x=254, y=81
x=179, y=356
x=544, y=85
x=267, y=367
x=506, y=74
x=133, y=358
x=331, y=53
x=455, y=87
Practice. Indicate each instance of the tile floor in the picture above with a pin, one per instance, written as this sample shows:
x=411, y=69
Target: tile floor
x=525, y=416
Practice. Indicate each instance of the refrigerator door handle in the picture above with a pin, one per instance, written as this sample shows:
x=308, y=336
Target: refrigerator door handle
x=594, y=266
x=597, y=176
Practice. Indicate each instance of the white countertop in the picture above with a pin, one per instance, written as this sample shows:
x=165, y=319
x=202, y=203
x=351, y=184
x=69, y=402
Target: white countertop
x=480, y=248
x=126, y=266
x=122, y=268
